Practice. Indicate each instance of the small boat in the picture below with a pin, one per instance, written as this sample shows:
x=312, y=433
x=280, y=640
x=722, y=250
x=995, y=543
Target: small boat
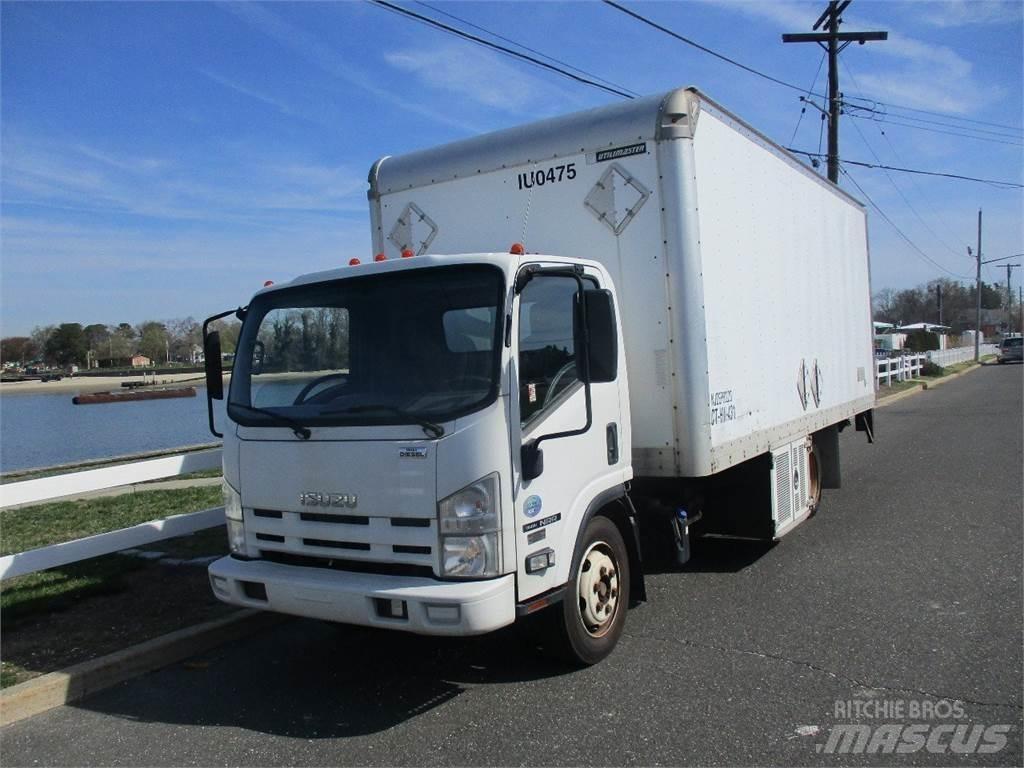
x=123, y=397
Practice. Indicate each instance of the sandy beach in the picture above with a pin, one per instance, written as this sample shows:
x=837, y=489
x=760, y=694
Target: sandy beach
x=84, y=384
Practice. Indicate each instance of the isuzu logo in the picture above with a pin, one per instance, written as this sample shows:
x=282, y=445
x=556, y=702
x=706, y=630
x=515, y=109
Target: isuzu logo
x=313, y=499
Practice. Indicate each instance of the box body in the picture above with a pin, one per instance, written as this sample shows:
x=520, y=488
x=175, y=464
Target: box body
x=742, y=275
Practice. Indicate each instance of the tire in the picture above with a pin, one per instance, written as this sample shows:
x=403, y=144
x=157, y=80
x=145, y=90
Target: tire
x=587, y=626
x=813, y=480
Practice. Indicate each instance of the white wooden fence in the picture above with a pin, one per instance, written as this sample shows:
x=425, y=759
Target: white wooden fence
x=901, y=368
x=944, y=357
x=75, y=483
x=906, y=367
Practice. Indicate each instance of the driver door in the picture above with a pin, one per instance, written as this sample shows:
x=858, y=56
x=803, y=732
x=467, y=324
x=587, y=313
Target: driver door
x=551, y=399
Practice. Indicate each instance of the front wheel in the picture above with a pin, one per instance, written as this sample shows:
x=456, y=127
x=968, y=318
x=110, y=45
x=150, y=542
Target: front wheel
x=590, y=619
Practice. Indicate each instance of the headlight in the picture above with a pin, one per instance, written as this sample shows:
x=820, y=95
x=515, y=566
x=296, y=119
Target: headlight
x=236, y=537
x=470, y=525
x=232, y=502
x=233, y=514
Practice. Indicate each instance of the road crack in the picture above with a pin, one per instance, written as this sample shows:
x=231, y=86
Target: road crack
x=822, y=670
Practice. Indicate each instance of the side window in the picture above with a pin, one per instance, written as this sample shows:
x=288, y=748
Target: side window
x=547, y=354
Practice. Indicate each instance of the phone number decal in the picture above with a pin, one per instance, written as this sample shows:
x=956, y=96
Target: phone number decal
x=552, y=175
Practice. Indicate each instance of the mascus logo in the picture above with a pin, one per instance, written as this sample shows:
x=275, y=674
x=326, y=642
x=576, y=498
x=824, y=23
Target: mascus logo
x=312, y=499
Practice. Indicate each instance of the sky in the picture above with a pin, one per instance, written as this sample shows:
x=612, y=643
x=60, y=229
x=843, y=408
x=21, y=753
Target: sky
x=161, y=160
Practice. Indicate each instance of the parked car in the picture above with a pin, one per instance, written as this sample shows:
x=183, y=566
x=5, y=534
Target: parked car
x=1011, y=349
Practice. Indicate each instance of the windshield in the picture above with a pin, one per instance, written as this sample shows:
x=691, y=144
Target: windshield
x=395, y=348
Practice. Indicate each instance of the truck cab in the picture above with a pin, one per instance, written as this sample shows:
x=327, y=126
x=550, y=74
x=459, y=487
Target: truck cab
x=434, y=444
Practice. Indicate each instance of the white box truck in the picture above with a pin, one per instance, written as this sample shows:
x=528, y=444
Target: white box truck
x=457, y=432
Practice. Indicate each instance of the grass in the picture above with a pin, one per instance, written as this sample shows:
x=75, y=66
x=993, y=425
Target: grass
x=59, y=588
x=43, y=524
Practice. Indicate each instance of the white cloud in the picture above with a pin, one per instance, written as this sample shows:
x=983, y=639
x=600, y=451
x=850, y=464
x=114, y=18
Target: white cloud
x=247, y=189
x=960, y=13
x=318, y=53
x=923, y=75
x=477, y=74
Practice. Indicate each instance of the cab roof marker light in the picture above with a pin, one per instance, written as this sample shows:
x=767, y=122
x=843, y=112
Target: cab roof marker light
x=407, y=254
x=267, y=283
x=354, y=262
x=380, y=257
x=517, y=249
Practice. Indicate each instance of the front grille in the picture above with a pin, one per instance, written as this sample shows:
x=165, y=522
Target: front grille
x=352, y=566
x=326, y=535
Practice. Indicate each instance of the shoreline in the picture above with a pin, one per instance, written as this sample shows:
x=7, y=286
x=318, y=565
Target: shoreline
x=87, y=385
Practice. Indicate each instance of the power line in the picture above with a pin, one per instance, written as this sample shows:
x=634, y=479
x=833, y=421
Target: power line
x=495, y=35
x=500, y=48
x=900, y=192
x=777, y=81
x=945, y=115
x=874, y=113
x=704, y=48
x=937, y=130
x=1002, y=134
x=899, y=231
x=888, y=175
x=994, y=182
x=803, y=109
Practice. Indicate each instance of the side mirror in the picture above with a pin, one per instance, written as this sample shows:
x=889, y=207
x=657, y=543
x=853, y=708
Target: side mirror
x=532, y=461
x=214, y=369
x=602, y=350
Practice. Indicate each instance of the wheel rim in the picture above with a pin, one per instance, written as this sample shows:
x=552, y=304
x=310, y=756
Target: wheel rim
x=598, y=589
x=813, y=480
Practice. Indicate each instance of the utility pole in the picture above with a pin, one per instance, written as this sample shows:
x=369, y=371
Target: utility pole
x=938, y=298
x=977, y=327
x=1009, y=296
x=830, y=41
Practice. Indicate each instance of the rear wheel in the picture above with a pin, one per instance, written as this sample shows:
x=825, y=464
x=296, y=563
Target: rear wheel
x=590, y=619
x=813, y=480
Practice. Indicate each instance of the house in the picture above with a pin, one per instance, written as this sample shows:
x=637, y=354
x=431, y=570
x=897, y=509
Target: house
x=140, y=361
x=886, y=337
x=939, y=330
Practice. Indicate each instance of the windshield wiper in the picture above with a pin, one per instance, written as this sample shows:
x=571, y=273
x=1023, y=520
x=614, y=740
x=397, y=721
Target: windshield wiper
x=429, y=427
x=300, y=430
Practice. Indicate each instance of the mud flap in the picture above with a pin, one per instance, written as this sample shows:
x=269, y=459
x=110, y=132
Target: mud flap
x=866, y=423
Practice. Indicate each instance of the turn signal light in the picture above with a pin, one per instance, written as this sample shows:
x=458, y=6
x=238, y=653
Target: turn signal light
x=517, y=249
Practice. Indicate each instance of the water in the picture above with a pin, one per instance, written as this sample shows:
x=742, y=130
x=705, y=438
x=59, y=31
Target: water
x=46, y=429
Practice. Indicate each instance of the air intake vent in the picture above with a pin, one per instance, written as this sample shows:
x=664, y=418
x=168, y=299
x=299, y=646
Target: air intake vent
x=410, y=522
x=337, y=544
x=406, y=549
x=319, y=517
x=783, y=489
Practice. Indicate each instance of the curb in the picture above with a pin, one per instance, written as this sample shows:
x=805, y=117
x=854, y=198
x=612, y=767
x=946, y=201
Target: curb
x=957, y=375
x=890, y=399
x=81, y=680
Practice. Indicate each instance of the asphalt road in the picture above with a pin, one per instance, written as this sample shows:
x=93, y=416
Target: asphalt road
x=905, y=587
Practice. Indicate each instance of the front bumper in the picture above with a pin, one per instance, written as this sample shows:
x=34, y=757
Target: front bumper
x=430, y=607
